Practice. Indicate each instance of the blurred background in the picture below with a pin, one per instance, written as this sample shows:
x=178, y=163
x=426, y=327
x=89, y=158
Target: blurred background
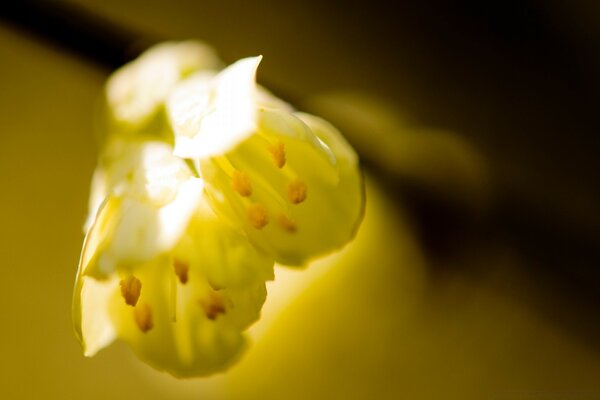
x=476, y=272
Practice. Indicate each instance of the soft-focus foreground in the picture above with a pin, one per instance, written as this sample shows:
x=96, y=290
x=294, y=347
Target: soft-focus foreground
x=383, y=319
x=177, y=250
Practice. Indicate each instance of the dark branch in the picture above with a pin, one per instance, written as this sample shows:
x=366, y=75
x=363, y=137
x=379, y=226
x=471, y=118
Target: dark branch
x=76, y=30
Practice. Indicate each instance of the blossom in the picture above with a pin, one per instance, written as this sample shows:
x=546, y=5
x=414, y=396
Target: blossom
x=288, y=179
x=204, y=182
x=161, y=272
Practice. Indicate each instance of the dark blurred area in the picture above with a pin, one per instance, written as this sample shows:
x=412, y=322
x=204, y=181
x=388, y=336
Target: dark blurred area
x=495, y=104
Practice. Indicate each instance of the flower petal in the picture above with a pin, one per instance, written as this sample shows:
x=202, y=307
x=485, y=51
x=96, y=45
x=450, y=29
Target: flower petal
x=93, y=326
x=221, y=113
x=150, y=199
x=223, y=253
x=136, y=91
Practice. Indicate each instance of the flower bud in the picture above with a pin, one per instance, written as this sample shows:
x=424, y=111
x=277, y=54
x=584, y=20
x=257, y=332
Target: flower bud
x=184, y=310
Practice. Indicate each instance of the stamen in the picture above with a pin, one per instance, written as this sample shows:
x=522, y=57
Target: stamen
x=277, y=151
x=143, y=317
x=287, y=224
x=213, y=305
x=181, y=270
x=240, y=181
x=296, y=191
x=131, y=288
x=257, y=215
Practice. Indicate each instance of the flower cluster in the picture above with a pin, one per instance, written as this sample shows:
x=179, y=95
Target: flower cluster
x=205, y=181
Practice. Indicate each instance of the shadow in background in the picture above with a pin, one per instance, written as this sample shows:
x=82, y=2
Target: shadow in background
x=519, y=81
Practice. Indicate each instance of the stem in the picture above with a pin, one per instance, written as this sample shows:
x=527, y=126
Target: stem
x=76, y=30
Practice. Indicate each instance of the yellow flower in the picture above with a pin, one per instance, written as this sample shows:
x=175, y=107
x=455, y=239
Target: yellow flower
x=161, y=272
x=183, y=232
x=288, y=179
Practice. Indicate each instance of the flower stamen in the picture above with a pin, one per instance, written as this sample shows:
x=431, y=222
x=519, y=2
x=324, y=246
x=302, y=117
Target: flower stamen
x=213, y=305
x=277, y=151
x=240, y=182
x=143, y=317
x=296, y=191
x=131, y=288
x=257, y=215
x=181, y=270
x=287, y=224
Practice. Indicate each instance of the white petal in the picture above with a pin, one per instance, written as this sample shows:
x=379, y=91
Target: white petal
x=215, y=121
x=137, y=90
x=174, y=217
x=143, y=231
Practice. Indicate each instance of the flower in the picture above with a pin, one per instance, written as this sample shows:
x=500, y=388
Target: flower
x=161, y=272
x=188, y=214
x=288, y=179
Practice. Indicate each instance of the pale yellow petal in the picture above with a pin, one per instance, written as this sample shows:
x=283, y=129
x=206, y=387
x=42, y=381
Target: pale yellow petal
x=91, y=320
x=136, y=91
x=221, y=118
